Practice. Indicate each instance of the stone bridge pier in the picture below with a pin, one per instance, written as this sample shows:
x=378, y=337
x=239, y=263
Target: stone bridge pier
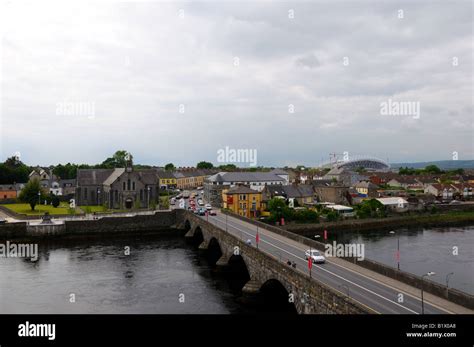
x=265, y=279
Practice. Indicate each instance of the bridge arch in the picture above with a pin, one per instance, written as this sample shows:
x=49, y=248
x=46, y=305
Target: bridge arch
x=187, y=225
x=274, y=297
x=238, y=272
x=198, y=236
x=214, y=251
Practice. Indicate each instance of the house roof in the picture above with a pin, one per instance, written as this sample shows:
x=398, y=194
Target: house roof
x=291, y=191
x=392, y=201
x=365, y=184
x=165, y=174
x=87, y=177
x=7, y=187
x=406, y=180
x=241, y=190
x=279, y=172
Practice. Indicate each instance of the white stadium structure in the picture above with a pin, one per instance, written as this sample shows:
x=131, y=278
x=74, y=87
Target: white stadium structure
x=355, y=162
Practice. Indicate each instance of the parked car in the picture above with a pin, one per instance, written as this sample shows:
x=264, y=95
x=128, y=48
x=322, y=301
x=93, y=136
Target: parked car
x=212, y=213
x=315, y=255
x=200, y=202
x=202, y=212
x=2, y=221
x=208, y=207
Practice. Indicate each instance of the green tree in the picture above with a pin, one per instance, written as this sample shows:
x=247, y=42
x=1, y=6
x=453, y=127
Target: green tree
x=204, y=165
x=119, y=159
x=13, y=171
x=278, y=208
x=370, y=208
x=55, y=201
x=228, y=167
x=29, y=193
x=170, y=167
x=432, y=169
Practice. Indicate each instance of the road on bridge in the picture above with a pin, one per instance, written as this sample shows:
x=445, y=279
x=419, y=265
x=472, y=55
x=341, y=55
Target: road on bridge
x=380, y=297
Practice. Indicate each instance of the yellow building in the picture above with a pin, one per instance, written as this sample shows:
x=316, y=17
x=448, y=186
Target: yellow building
x=166, y=180
x=242, y=200
x=190, y=179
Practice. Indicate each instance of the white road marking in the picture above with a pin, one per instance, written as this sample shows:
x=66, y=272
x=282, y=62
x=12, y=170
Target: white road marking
x=332, y=273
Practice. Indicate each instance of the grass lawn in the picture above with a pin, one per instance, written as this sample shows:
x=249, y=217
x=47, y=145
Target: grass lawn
x=63, y=208
x=93, y=208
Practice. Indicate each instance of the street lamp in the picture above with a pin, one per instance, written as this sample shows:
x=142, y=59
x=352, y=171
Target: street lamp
x=398, y=247
x=431, y=273
x=98, y=196
x=447, y=283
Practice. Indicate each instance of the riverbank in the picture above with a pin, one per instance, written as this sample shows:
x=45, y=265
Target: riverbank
x=454, y=218
x=159, y=222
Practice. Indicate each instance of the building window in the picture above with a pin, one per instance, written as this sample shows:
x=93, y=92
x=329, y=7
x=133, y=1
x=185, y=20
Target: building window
x=133, y=183
x=128, y=184
x=85, y=193
x=123, y=185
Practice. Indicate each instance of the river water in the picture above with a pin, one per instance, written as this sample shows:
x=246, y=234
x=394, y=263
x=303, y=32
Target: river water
x=441, y=250
x=162, y=275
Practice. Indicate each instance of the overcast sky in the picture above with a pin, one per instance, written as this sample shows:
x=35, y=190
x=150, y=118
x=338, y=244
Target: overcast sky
x=176, y=82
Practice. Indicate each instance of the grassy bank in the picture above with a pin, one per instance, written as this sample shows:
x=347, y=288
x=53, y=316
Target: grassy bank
x=62, y=209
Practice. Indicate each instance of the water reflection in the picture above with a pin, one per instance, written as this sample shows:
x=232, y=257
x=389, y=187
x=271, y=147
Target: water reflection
x=442, y=250
x=105, y=280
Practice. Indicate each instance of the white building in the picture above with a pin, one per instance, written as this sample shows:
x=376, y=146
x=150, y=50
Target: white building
x=396, y=204
x=254, y=180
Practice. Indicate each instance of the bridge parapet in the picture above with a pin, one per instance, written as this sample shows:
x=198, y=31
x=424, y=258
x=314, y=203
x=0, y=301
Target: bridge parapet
x=308, y=294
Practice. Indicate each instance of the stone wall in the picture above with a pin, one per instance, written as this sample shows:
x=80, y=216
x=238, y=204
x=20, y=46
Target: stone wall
x=162, y=220
x=10, y=231
x=454, y=295
x=310, y=295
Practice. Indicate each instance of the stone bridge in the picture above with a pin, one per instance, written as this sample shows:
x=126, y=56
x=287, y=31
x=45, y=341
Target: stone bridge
x=264, y=278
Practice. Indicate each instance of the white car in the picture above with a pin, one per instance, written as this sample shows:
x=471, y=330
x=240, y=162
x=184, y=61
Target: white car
x=208, y=207
x=317, y=257
x=200, y=202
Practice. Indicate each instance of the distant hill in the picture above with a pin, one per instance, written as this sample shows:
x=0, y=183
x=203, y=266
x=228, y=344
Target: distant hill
x=442, y=164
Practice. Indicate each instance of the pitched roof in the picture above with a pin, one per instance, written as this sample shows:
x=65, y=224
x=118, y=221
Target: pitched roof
x=291, y=191
x=241, y=190
x=165, y=174
x=365, y=184
x=279, y=172
x=113, y=176
x=245, y=177
x=87, y=177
